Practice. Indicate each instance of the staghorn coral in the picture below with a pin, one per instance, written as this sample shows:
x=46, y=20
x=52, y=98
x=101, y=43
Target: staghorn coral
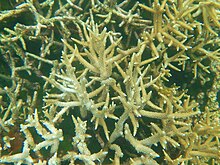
x=109, y=82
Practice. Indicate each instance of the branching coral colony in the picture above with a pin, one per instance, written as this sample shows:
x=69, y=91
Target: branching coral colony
x=110, y=82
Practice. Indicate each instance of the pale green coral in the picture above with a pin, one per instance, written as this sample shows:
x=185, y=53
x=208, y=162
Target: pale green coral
x=109, y=82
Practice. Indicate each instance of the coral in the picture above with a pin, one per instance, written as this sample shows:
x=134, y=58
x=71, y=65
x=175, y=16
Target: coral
x=109, y=82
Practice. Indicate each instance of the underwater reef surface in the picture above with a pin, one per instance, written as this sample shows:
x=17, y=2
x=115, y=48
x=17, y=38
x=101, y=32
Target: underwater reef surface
x=110, y=82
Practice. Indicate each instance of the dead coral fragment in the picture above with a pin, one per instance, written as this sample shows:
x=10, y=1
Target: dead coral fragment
x=20, y=158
